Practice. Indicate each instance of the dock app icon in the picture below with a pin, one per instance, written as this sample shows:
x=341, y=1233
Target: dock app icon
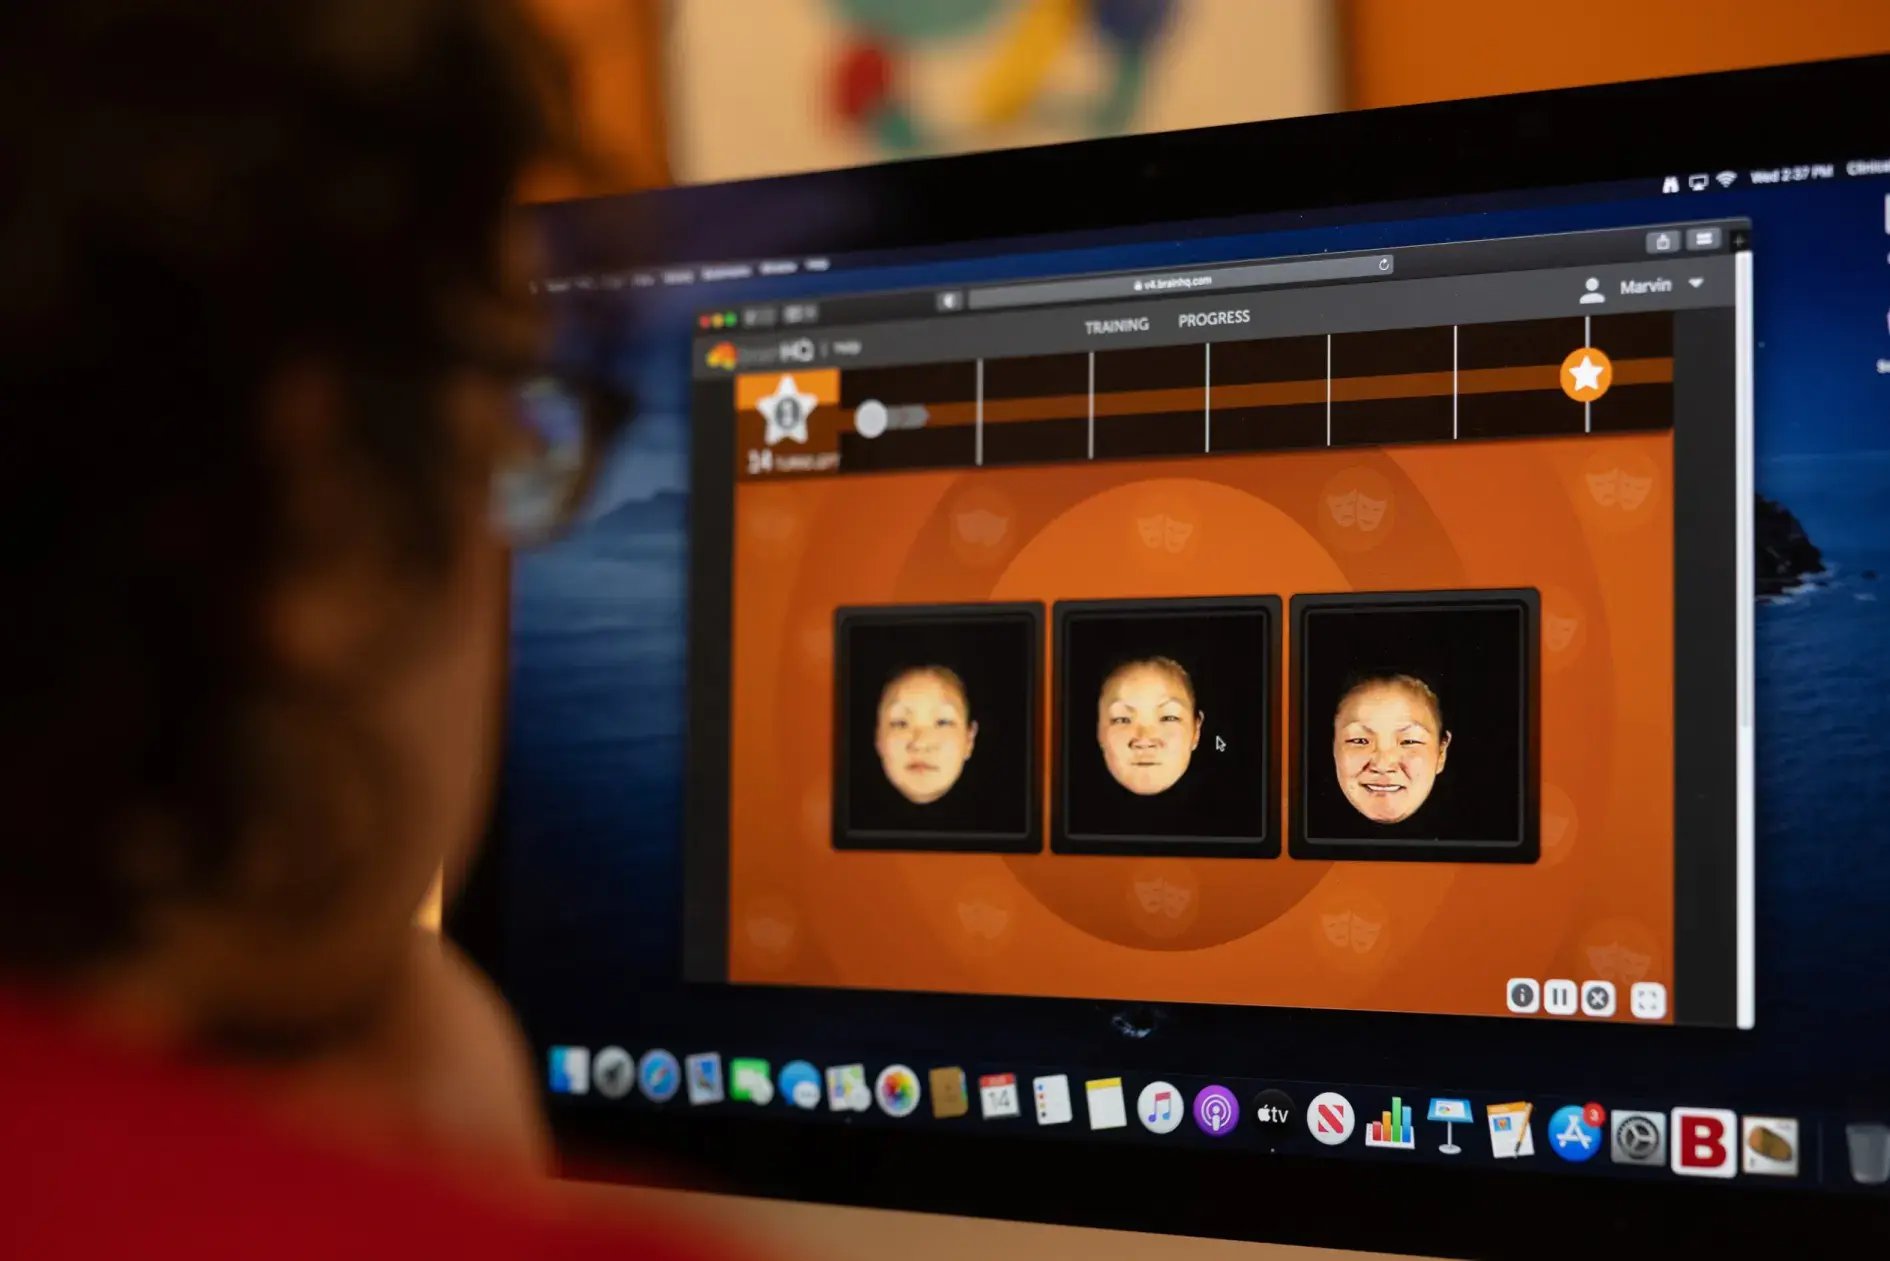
x=847, y=1090
x=1638, y=1138
x=997, y=1096
x=569, y=1069
x=1330, y=1118
x=1704, y=1142
x=1510, y=1135
x=949, y=1098
x=704, y=1073
x=1107, y=1108
x=1053, y=1099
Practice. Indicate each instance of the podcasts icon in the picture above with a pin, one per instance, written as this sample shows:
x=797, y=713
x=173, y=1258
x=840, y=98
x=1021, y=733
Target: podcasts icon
x=1216, y=1111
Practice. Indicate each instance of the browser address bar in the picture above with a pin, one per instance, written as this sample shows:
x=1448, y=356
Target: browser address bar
x=1178, y=283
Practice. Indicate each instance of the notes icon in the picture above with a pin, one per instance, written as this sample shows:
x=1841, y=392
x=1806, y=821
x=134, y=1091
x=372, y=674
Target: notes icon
x=1105, y=1103
x=1159, y=1107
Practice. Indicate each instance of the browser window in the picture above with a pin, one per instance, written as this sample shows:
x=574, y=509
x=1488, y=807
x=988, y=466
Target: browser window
x=1178, y=635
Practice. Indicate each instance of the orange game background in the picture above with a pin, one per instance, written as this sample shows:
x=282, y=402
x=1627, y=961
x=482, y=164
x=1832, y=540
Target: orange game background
x=1585, y=520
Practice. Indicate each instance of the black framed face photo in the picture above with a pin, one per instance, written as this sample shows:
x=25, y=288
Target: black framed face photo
x=1415, y=726
x=936, y=728
x=1165, y=714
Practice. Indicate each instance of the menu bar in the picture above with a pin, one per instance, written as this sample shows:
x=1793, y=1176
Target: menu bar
x=1661, y=282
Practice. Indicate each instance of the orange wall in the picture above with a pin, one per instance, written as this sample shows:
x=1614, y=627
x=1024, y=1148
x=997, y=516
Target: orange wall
x=1393, y=52
x=1401, y=51
x=615, y=49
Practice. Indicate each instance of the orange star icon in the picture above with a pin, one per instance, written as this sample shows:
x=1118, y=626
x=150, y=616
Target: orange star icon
x=1586, y=374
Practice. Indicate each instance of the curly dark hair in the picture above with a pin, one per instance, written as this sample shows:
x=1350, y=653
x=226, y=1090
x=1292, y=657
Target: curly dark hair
x=194, y=194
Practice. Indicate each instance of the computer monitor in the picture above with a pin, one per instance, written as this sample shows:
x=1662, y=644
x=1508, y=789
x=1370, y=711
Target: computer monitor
x=1317, y=681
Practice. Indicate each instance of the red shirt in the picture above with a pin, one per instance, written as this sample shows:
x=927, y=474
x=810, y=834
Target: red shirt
x=108, y=1154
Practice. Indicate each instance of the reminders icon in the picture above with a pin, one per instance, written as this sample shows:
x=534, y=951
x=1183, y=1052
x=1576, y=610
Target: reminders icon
x=1053, y=1099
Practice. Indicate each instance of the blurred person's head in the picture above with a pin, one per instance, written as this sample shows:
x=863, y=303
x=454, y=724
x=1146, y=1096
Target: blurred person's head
x=259, y=280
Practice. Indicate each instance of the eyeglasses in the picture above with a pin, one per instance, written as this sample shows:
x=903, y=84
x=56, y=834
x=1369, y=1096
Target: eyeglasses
x=567, y=409
x=543, y=477
x=567, y=413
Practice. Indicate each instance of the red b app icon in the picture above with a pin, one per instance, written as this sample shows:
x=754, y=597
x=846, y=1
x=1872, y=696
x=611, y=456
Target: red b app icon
x=1704, y=1142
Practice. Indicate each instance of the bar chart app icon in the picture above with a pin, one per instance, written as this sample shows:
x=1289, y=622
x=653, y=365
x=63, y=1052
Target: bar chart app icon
x=1393, y=1127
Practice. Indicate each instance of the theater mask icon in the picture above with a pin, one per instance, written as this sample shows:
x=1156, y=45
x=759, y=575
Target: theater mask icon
x=1163, y=533
x=1348, y=930
x=1160, y=897
x=1554, y=829
x=1559, y=632
x=1617, y=488
x=981, y=527
x=1634, y=490
x=1356, y=510
x=1616, y=962
x=983, y=920
x=770, y=933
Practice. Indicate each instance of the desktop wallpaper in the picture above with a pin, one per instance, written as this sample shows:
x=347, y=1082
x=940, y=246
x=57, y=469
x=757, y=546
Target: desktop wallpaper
x=594, y=768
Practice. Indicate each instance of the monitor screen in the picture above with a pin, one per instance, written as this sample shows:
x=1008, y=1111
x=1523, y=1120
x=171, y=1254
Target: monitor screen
x=1375, y=674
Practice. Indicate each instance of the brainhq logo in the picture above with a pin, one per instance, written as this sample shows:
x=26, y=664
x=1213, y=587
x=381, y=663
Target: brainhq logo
x=1702, y=1143
x=721, y=356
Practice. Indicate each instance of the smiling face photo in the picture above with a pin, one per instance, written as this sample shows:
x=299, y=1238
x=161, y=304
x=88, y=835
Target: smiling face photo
x=1389, y=745
x=925, y=732
x=1147, y=724
x=1415, y=726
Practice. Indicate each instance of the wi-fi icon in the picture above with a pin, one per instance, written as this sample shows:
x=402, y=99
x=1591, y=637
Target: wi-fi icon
x=1726, y=178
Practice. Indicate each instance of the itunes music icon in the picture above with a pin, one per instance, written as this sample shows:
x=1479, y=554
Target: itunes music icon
x=1159, y=1106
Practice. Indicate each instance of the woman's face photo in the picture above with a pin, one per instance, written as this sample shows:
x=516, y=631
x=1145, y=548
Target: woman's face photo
x=924, y=734
x=1147, y=726
x=1387, y=749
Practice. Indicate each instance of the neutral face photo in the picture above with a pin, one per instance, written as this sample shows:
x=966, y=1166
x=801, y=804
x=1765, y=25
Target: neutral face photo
x=1147, y=724
x=937, y=710
x=1164, y=734
x=1389, y=745
x=925, y=732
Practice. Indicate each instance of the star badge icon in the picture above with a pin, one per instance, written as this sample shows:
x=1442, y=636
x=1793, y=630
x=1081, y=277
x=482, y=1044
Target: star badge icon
x=1586, y=374
x=786, y=411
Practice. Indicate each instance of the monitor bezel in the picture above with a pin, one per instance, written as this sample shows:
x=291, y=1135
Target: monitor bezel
x=1447, y=154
